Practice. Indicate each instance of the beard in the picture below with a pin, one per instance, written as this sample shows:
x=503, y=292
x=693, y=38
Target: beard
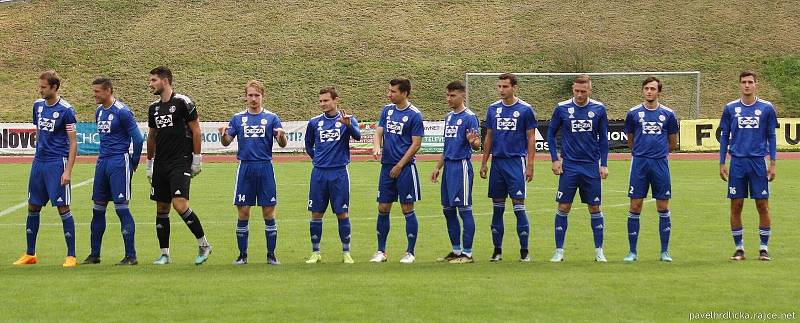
x=158, y=91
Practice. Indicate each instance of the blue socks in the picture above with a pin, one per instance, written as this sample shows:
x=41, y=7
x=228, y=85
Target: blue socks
x=523, y=227
x=31, y=231
x=315, y=228
x=561, y=223
x=498, y=227
x=737, y=237
x=597, y=229
x=242, y=236
x=69, y=232
x=763, y=234
x=453, y=227
x=344, y=233
x=633, y=230
x=469, y=228
x=98, y=227
x=664, y=229
x=412, y=228
x=382, y=227
x=127, y=228
x=271, y=230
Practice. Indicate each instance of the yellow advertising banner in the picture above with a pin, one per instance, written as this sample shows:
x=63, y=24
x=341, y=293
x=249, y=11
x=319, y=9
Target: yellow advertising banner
x=703, y=134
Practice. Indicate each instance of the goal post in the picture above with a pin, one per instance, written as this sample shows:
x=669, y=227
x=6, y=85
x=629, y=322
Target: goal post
x=618, y=90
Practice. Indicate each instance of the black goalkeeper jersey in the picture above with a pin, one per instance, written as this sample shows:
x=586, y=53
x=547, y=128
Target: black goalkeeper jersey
x=170, y=119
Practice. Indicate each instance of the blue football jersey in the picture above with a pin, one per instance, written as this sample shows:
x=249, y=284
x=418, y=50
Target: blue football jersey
x=650, y=130
x=116, y=127
x=509, y=124
x=456, y=127
x=327, y=140
x=584, y=132
x=254, y=134
x=399, y=125
x=52, y=124
x=751, y=129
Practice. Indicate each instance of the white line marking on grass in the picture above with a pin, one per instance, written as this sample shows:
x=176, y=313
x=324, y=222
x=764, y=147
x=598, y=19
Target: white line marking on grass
x=23, y=204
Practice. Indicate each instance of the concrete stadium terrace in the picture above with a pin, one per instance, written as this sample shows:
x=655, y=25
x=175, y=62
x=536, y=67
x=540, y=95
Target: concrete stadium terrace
x=297, y=157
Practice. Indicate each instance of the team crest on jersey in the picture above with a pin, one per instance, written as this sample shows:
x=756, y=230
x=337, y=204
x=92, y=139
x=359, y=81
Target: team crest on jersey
x=244, y=119
x=748, y=122
x=104, y=126
x=264, y=121
x=516, y=114
x=163, y=121
x=758, y=112
x=507, y=124
x=40, y=109
x=329, y=135
x=390, y=112
x=254, y=131
x=55, y=114
x=662, y=118
x=451, y=131
x=459, y=122
x=110, y=117
x=581, y=125
x=320, y=123
x=571, y=112
x=590, y=114
x=338, y=124
x=46, y=124
x=651, y=128
x=172, y=109
x=394, y=127
x=405, y=118
x=738, y=111
x=499, y=110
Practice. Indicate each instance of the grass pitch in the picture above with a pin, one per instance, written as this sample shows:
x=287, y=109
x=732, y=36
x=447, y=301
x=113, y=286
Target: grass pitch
x=700, y=280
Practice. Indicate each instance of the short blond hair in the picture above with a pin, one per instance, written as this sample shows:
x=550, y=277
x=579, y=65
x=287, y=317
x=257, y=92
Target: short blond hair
x=255, y=84
x=582, y=79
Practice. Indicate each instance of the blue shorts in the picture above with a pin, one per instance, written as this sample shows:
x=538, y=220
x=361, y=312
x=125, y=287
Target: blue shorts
x=255, y=184
x=457, y=183
x=329, y=185
x=507, y=178
x=45, y=183
x=585, y=177
x=112, y=179
x=649, y=172
x=405, y=187
x=748, y=175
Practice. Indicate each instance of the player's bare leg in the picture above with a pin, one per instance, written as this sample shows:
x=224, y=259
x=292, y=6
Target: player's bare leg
x=764, y=228
x=736, y=228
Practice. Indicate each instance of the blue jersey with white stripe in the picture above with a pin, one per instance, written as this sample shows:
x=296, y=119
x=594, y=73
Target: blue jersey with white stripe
x=751, y=129
x=650, y=130
x=327, y=140
x=254, y=134
x=399, y=125
x=584, y=132
x=52, y=124
x=456, y=127
x=116, y=127
x=509, y=124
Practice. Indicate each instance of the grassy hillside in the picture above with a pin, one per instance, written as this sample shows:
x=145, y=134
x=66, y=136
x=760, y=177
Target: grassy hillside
x=296, y=47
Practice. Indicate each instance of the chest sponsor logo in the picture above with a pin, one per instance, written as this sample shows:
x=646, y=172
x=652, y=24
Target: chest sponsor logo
x=46, y=124
x=104, y=126
x=254, y=131
x=748, y=122
x=451, y=131
x=651, y=128
x=163, y=121
x=581, y=125
x=329, y=135
x=394, y=127
x=506, y=124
